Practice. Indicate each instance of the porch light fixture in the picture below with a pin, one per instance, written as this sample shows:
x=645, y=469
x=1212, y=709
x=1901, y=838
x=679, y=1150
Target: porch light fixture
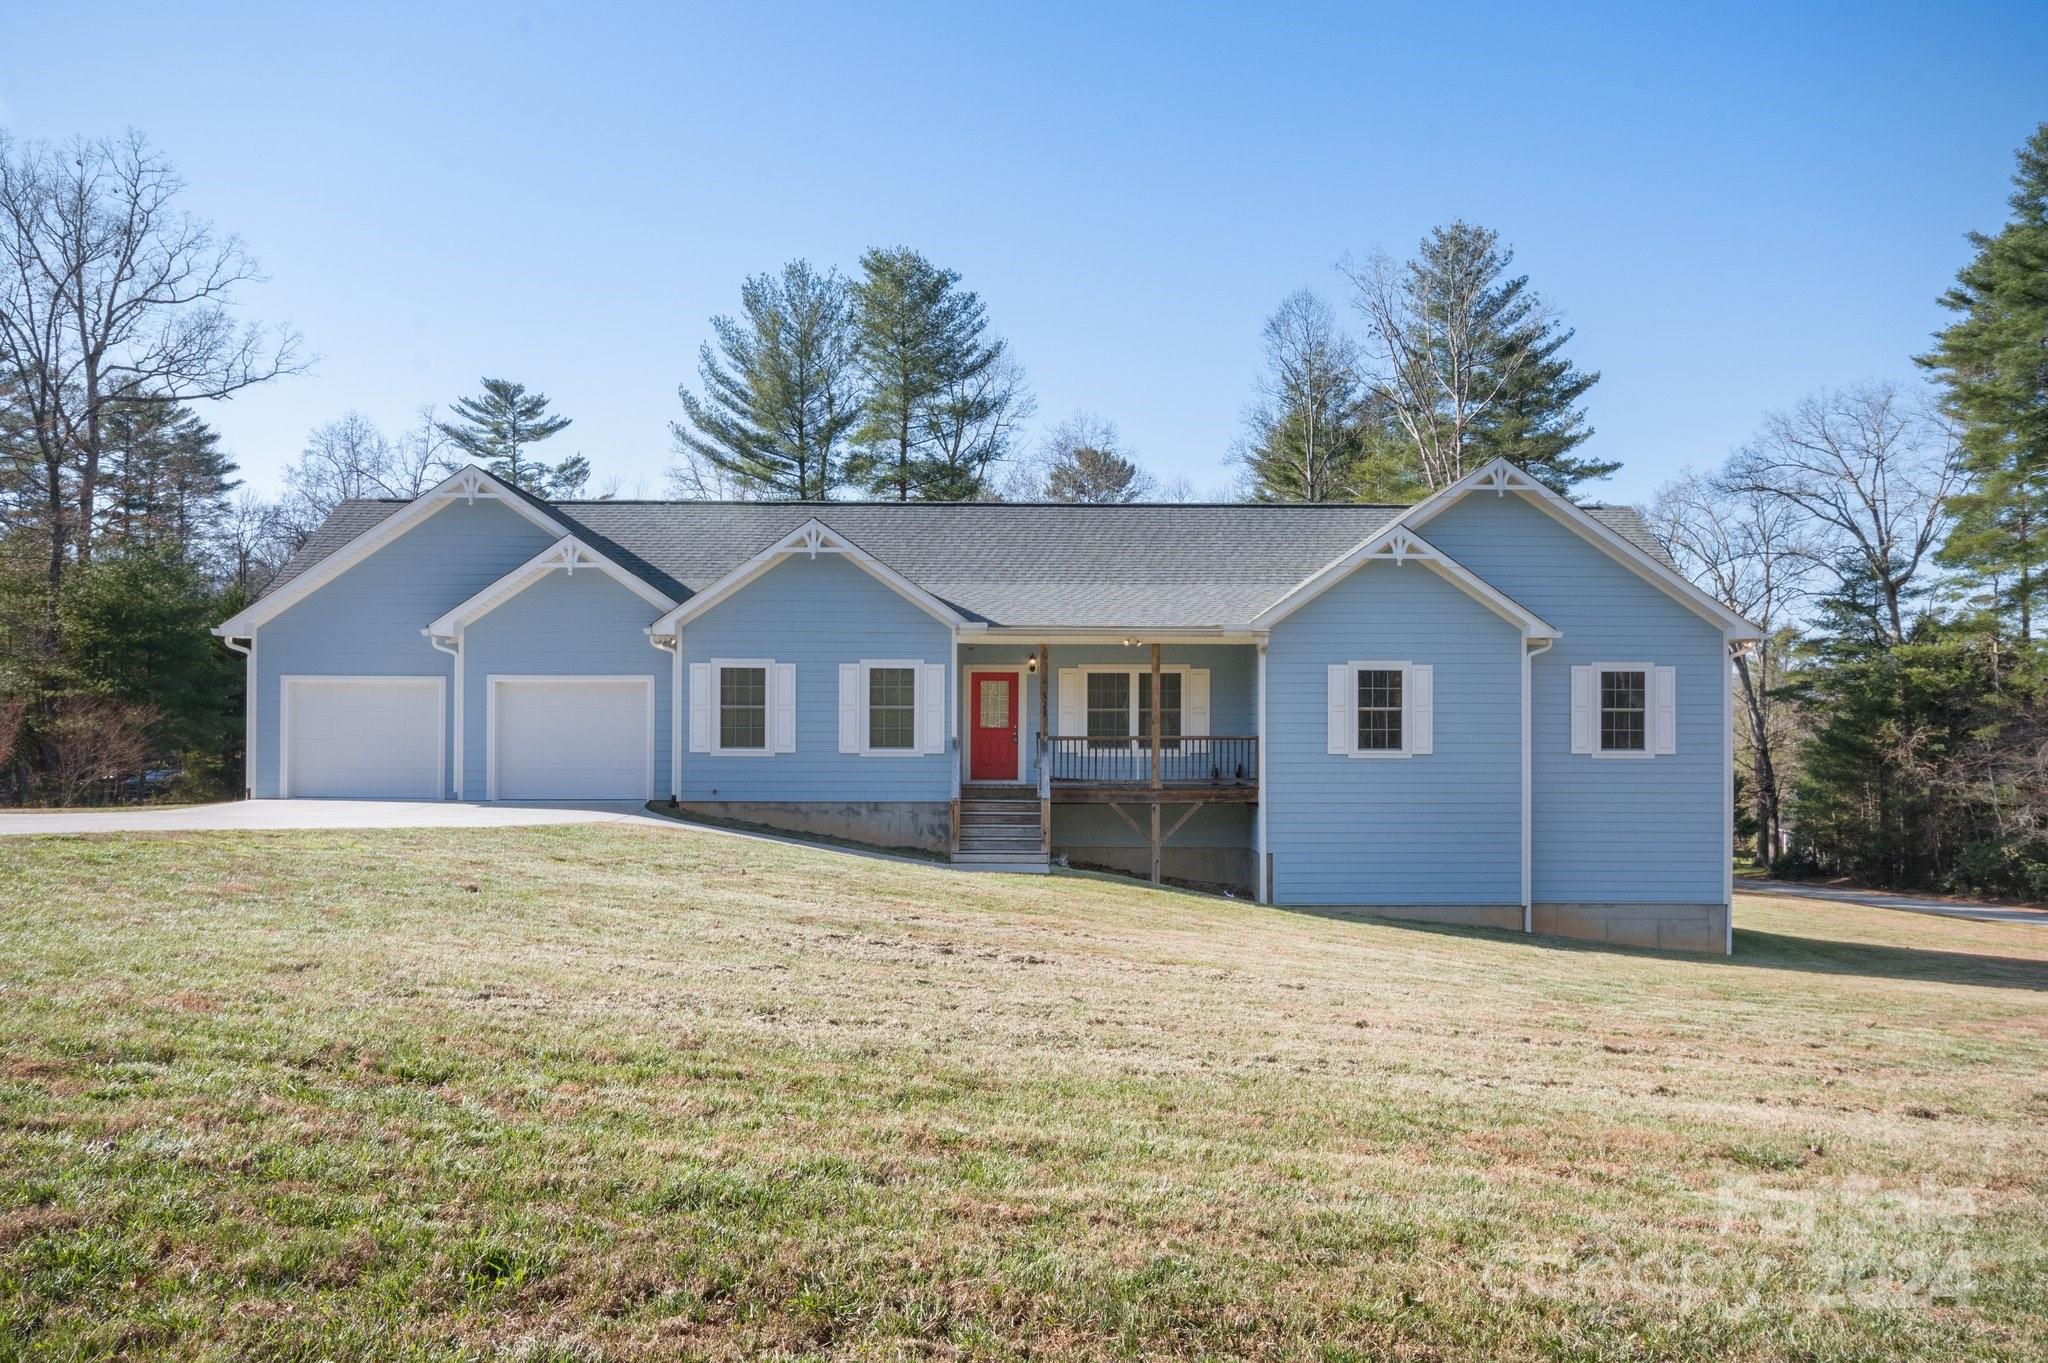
x=1031, y=664
x=1131, y=642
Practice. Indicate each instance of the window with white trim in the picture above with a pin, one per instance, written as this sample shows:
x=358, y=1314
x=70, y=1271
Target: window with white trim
x=892, y=708
x=1110, y=721
x=1382, y=709
x=1626, y=710
x=1119, y=706
x=743, y=708
x=1381, y=697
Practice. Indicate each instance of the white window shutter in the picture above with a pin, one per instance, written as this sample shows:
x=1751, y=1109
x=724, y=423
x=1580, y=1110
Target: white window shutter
x=1665, y=711
x=782, y=707
x=1343, y=718
x=849, y=707
x=931, y=708
x=1421, y=709
x=1582, y=709
x=700, y=707
x=1194, y=702
x=1073, y=701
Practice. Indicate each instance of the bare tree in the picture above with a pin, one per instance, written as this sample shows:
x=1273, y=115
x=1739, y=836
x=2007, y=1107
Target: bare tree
x=110, y=293
x=1870, y=469
x=252, y=541
x=1305, y=431
x=1750, y=551
x=1080, y=460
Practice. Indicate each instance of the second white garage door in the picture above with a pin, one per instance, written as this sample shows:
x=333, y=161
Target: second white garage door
x=571, y=738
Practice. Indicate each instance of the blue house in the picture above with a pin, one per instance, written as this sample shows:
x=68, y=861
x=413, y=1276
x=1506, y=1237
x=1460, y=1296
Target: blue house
x=1493, y=707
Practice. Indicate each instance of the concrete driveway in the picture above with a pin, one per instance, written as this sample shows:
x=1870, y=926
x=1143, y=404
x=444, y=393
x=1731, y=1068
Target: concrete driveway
x=1905, y=903
x=325, y=814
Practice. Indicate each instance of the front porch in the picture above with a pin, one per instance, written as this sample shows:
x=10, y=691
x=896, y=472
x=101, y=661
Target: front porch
x=1120, y=748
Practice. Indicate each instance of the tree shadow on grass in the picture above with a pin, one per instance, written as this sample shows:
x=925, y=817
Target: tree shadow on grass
x=1756, y=949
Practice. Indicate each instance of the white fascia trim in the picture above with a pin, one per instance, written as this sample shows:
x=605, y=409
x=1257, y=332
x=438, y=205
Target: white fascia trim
x=1398, y=545
x=564, y=555
x=467, y=484
x=1500, y=477
x=811, y=539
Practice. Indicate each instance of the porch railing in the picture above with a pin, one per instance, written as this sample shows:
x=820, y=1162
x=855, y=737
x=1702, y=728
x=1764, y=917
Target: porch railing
x=1185, y=760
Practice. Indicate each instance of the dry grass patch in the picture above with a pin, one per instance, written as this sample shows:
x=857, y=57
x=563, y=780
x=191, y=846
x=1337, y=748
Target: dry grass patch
x=625, y=1093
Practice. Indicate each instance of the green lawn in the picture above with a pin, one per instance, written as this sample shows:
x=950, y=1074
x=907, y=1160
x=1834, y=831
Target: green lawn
x=642, y=1093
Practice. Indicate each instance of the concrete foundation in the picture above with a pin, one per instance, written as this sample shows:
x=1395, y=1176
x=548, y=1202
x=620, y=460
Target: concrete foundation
x=1666, y=927
x=1662, y=927
x=920, y=825
x=1228, y=868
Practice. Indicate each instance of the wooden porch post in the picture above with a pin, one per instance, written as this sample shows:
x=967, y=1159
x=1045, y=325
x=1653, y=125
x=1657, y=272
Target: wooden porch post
x=1157, y=769
x=1045, y=750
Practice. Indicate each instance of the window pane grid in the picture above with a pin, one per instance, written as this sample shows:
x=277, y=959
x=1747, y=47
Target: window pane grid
x=1169, y=707
x=892, y=708
x=1624, y=711
x=743, y=707
x=1109, y=706
x=1379, y=709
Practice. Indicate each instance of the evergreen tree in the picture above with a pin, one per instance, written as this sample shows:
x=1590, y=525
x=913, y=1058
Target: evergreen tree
x=781, y=393
x=165, y=478
x=1469, y=361
x=496, y=427
x=1993, y=364
x=937, y=389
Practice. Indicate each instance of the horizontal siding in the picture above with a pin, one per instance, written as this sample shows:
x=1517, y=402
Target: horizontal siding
x=1606, y=830
x=1444, y=828
x=580, y=624
x=368, y=620
x=816, y=613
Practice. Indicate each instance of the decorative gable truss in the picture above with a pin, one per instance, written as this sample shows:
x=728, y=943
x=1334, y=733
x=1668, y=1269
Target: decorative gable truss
x=1398, y=545
x=567, y=555
x=469, y=485
x=809, y=540
x=1501, y=478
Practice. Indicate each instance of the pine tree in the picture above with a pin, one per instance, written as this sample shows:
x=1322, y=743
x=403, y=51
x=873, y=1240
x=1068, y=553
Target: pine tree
x=940, y=398
x=1306, y=435
x=1993, y=364
x=164, y=477
x=1084, y=461
x=496, y=427
x=1469, y=363
x=781, y=393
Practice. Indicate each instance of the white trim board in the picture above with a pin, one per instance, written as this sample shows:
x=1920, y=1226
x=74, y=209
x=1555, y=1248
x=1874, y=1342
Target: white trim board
x=494, y=680
x=468, y=484
x=811, y=539
x=565, y=555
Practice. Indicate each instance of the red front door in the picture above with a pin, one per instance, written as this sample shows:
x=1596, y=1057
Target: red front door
x=994, y=754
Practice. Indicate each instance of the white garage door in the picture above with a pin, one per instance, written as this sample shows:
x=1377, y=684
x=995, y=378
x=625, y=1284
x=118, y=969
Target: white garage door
x=571, y=738
x=362, y=737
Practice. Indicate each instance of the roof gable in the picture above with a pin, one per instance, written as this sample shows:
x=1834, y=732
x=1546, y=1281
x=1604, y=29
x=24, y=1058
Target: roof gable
x=1399, y=545
x=566, y=555
x=812, y=538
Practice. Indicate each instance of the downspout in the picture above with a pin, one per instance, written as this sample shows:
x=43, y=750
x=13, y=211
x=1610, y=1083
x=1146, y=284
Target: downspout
x=247, y=648
x=454, y=650
x=1528, y=839
x=1735, y=648
x=672, y=644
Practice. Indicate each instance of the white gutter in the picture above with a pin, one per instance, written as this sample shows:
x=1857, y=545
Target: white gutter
x=1259, y=875
x=672, y=644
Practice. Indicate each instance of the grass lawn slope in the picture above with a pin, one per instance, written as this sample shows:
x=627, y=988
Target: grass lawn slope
x=616, y=1092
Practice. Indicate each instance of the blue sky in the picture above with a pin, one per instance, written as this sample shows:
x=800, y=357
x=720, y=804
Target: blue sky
x=1731, y=205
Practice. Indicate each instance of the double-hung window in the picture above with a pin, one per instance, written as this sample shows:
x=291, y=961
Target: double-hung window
x=892, y=709
x=1110, y=721
x=1382, y=709
x=1120, y=707
x=1624, y=710
x=743, y=708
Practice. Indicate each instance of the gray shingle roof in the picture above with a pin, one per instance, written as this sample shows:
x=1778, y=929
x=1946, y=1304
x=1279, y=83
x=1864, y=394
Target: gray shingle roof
x=1147, y=566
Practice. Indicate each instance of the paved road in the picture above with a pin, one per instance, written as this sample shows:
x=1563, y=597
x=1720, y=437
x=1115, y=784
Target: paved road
x=1905, y=903
x=323, y=814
